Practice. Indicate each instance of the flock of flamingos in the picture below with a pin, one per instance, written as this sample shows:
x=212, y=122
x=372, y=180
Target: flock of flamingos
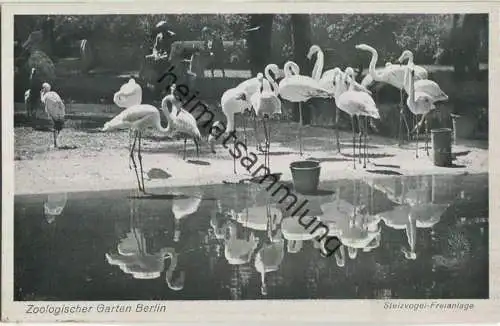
x=261, y=98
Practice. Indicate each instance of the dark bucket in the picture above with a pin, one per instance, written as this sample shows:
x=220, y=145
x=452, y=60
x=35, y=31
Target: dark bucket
x=305, y=176
x=441, y=146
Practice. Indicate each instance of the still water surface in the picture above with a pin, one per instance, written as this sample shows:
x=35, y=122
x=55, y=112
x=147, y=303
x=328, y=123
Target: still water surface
x=404, y=237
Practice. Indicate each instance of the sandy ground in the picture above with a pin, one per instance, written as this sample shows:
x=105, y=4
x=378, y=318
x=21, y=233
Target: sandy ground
x=90, y=160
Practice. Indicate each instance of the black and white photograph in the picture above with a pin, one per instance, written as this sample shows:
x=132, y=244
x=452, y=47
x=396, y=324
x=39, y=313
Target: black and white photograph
x=200, y=157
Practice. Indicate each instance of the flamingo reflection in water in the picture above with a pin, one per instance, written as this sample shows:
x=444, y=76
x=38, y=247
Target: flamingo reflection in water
x=54, y=206
x=133, y=258
x=272, y=248
x=351, y=223
x=184, y=207
x=414, y=208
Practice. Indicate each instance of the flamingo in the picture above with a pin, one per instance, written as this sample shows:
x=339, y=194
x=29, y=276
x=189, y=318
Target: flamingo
x=327, y=80
x=266, y=103
x=180, y=121
x=392, y=74
x=419, y=103
x=250, y=87
x=183, y=207
x=299, y=88
x=234, y=100
x=55, y=108
x=355, y=104
x=129, y=94
x=136, y=119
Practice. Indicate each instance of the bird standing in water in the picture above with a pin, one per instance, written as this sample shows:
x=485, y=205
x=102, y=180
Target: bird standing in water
x=54, y=106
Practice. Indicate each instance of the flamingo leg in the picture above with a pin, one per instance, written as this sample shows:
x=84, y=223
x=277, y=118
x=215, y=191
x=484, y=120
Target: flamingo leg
x=133, y=160
x=54, y=133
x=139, y=155
x=244, y=123
x=256, y=130
x=266, y=144
x=418, y=130
x=130, y=147
x=359, y=135
x=300, y=128
x=400, y=133
x=426, y=136
x=269, y=147
x=185, y=141
x=366, y=143
x=337, y=120
x=353, y=142
x=234, y=158
x=197, y=147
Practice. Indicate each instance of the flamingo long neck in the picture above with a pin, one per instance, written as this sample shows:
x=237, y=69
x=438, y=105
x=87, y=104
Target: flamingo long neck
x=318, y=65
x=373, y=64
x=291, y=68
x=287, y=69
x=271, y=80
x=168, y=115
x=230, y=122
x=411, y=86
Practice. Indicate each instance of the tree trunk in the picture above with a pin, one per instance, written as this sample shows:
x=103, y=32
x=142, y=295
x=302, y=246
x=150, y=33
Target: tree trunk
x=259, y=42
x=466, y=42
x=301, y=42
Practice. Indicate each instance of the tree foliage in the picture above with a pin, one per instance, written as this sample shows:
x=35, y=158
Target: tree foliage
x=426, y=35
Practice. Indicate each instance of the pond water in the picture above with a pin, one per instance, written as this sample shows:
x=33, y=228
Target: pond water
x=403, y=237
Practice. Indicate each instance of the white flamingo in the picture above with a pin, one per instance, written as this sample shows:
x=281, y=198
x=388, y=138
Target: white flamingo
x=299, y=88
x=266, y=104
x=182, y=208
x=392, y=74
x=233, y=101
x=180, y=121
x=419, y=103
x=129, y=93
x=54, y=106
x=355, y=104
x=250, y=87
x=326, y=80
x=136, y=118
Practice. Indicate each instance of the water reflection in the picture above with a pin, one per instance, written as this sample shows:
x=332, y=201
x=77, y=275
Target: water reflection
x=54, y=206
x=420, y=203
x=133, y=256
x=243, y=244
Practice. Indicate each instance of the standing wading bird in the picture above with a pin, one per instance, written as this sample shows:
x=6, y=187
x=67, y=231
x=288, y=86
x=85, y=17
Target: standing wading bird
x=419, y=103
x=355, y=104
x=327, y=79
x=250, y=87
x=136, y=118
x=266, y=104
x=392, y=74
x=299, y=88
x=181, y=121
x=421, y=85
x=233, y=101
x=55, y=108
